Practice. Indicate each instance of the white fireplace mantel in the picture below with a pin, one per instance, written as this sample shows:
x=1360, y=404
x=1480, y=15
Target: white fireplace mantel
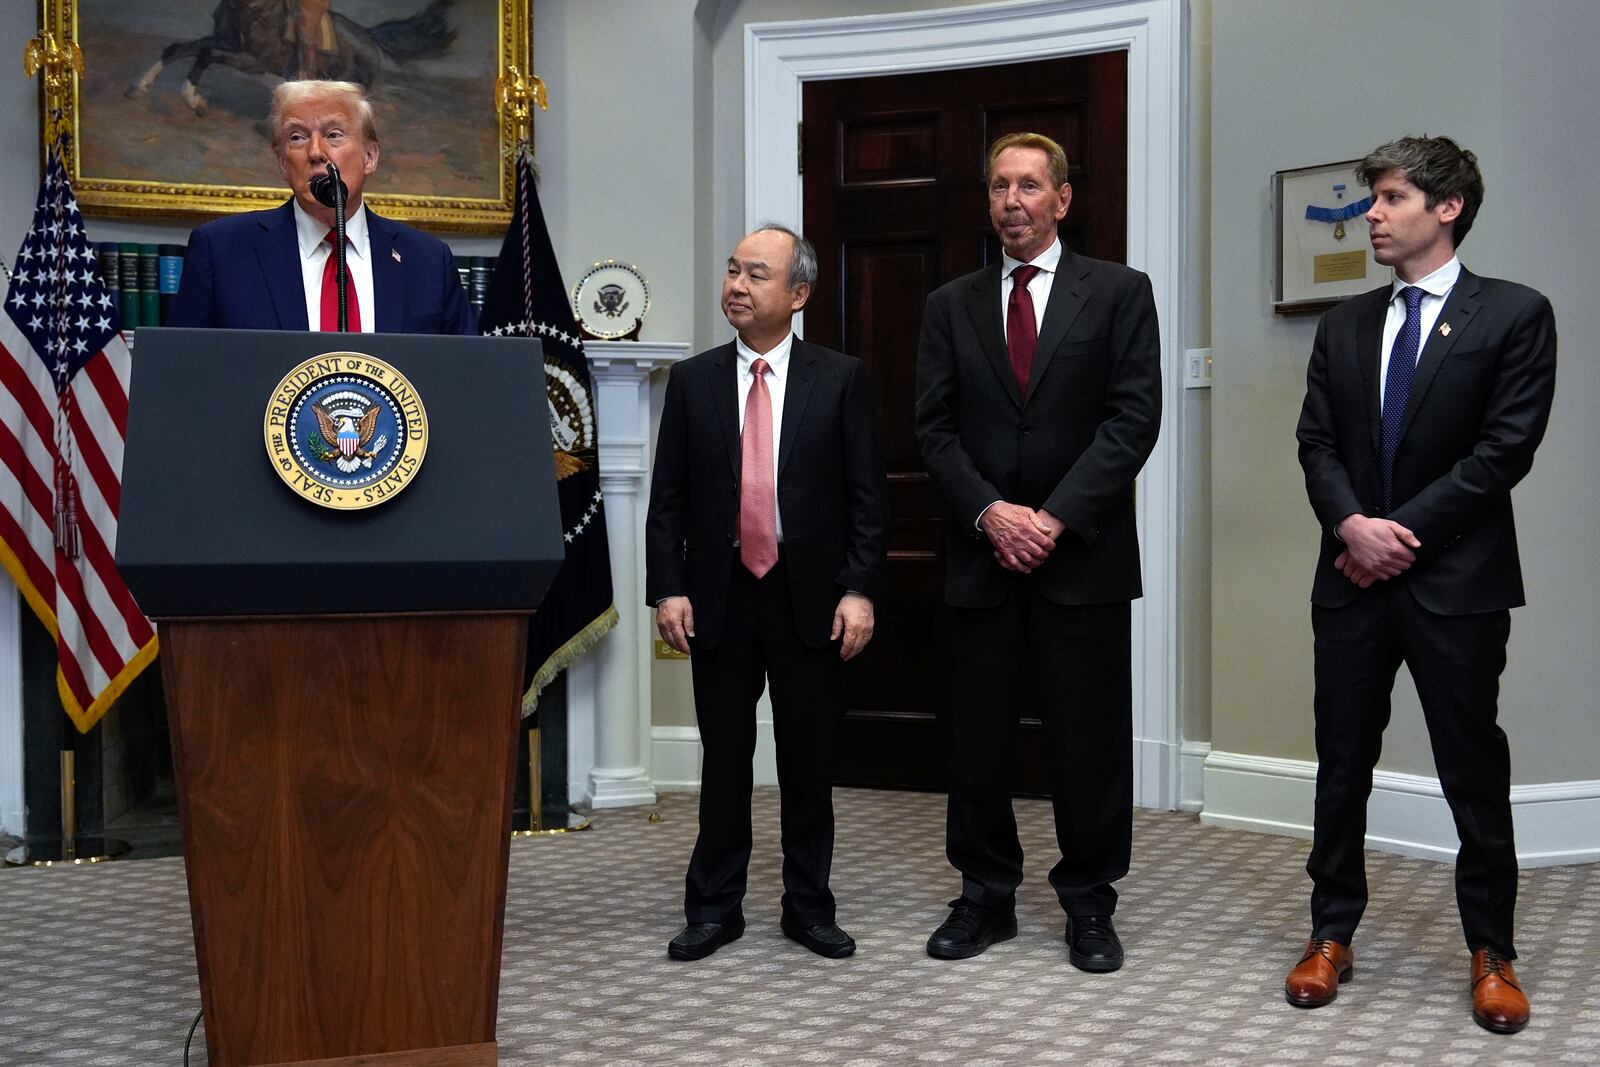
x=608, y=691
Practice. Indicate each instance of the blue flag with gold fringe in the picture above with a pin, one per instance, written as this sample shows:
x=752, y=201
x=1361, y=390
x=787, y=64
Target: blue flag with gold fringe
x=528, y=299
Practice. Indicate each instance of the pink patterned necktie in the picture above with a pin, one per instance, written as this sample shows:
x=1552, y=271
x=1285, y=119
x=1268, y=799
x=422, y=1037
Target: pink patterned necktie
x=758, y=507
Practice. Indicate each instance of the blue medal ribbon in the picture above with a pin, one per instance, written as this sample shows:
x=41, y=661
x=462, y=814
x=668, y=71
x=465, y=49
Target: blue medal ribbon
x=1338, y=214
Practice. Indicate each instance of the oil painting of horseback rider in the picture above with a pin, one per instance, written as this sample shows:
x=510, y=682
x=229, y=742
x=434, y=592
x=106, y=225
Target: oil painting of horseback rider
x=174, y=97
x=294, y=39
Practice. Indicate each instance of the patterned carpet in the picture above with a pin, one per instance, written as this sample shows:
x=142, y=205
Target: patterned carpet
x=96, y=964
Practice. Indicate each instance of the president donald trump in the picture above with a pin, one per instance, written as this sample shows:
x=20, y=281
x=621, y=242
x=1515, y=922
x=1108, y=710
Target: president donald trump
x=275, y=269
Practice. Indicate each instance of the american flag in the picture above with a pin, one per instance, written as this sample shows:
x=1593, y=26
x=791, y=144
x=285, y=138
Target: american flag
x=63, y=411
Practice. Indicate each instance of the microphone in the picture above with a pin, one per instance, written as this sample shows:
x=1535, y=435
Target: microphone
x=329, y=188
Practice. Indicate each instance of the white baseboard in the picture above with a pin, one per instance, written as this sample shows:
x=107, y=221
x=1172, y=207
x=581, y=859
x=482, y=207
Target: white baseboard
x=1191, y=775
x=1556, y=822
x=14, y=823
x=675, y=757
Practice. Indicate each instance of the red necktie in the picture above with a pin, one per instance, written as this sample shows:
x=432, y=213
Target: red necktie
x=1022, y=331
x=758, y=506
x=330, y=293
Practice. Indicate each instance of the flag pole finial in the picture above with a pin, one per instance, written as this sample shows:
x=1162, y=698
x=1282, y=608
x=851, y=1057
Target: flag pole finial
x=60, y=60
x=516, y=93
x=55, y=53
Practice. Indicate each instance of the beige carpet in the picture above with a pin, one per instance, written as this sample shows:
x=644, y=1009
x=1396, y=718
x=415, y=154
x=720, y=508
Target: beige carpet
x=96, y=964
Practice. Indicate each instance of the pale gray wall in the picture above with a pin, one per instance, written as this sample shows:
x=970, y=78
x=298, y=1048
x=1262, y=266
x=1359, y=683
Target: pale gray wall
x=642, y=160
x=616, y=149
x=19, y=130
x=1194, y=487
x=1515, y=82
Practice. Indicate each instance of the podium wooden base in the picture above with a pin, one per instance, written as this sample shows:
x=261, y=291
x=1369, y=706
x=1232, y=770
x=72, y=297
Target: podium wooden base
x=456, y=1056
x=345, y=792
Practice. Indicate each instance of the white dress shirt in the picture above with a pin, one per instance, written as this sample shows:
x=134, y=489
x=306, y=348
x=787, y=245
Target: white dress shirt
x=314, y=253
x=1435, y=287
x=1038, y=287
x=777, y=375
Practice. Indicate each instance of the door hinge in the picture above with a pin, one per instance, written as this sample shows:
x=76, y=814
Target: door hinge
x=799, y=148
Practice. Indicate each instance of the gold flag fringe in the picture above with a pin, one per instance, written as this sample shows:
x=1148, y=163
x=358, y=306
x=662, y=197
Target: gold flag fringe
x=568, y=654
x=83, y=718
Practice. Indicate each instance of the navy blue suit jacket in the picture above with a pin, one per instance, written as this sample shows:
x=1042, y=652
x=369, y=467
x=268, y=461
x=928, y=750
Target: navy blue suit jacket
x=243, y=273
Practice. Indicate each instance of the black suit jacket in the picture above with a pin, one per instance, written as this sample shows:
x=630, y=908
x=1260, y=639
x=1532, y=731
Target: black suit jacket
x=243, y=273
x=1477, y=411
x=1072, y=446
x=832, y=493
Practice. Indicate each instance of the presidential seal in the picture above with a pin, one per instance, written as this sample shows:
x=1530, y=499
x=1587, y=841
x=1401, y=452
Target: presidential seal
x=346, y=430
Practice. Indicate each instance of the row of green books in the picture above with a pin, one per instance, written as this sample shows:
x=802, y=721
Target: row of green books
x=143, y=278
x=475, y=273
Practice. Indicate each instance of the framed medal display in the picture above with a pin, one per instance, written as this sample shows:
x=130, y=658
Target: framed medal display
x=1322, y=253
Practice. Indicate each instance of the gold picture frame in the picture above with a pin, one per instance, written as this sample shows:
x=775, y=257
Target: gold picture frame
x=158, y=154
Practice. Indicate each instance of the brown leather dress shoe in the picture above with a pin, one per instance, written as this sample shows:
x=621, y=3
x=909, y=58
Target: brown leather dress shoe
x=1498, y=1002
x=1315, y=980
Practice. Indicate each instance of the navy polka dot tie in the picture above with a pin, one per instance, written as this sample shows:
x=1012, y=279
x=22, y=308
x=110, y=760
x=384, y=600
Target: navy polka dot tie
x=1397, y=385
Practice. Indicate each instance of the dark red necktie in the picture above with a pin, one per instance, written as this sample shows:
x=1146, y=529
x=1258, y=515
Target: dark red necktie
x=758, y=506
x=1022, y=331
x=330, y=293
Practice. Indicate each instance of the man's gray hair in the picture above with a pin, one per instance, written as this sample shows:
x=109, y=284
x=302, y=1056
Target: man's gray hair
x=803, y=262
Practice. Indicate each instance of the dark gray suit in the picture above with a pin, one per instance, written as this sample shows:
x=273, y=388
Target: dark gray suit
x=1477, y=411
x=1072, y=445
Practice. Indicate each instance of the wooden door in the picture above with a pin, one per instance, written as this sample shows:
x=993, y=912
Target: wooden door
x=895, y=204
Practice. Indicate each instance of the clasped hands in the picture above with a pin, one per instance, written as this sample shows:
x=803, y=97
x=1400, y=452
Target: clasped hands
x=1022, y=537
x=1374, y=549
x=852, y=621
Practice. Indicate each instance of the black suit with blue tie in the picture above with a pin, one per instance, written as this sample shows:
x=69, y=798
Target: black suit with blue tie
x=1473, y=415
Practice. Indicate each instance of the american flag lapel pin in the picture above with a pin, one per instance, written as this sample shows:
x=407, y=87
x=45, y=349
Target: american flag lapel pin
x=395, y=252
x=1444, y=327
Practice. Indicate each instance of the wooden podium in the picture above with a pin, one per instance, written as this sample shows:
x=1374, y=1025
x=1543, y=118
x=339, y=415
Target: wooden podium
x=342, y=691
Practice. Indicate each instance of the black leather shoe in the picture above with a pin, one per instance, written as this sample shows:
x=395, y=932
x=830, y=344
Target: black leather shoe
x=970, y=929
x=825, y=939
x=699, y=940
x=1092, y=944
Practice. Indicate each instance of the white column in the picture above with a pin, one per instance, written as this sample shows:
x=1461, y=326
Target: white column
x=12, y=813
x=608, y=691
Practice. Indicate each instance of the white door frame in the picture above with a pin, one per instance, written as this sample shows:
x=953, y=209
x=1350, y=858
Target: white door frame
x=780, y=56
